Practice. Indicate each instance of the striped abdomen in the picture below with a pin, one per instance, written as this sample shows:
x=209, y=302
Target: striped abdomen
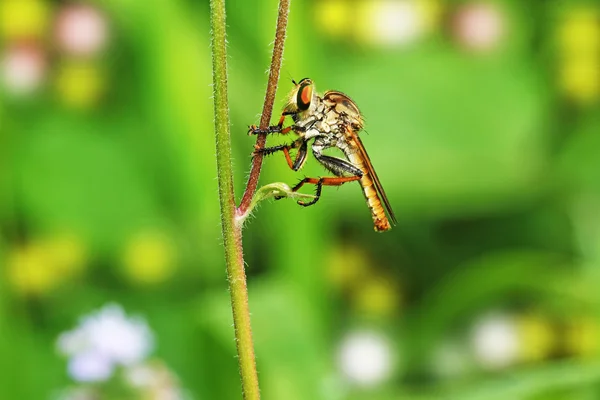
x=380, y=220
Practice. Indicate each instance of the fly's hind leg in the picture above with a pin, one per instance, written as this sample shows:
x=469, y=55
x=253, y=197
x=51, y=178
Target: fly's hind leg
x=338, y=167
x=320, y=182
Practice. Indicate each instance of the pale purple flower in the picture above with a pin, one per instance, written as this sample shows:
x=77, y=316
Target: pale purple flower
x=90, y=367
x=103, y=340
x=125, y=341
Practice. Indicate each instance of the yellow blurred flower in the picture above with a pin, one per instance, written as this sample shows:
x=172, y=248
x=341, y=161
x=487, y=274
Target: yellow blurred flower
x=67, y=253
x=378, y=296
x=150, y=257
x=579, y=34
x=580, y=79
x=431, y=10
x=347, y=266
x=38, y=267
x=578, y=40
x=334, y=16
x=537, y=338
x=23, y=18
x=29, y=272
x=583, y=337
x=80, y=84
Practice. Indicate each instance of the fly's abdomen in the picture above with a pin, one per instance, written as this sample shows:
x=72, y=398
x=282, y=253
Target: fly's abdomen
x=380, y=220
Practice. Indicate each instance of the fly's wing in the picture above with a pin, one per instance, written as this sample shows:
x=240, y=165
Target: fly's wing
x=348, y=112
x=366, y=162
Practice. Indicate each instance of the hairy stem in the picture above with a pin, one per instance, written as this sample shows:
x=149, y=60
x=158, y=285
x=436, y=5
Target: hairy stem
x=232, y=235
x=265, y=119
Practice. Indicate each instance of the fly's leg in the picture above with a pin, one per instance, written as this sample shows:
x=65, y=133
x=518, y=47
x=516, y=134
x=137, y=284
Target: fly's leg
x=320, y=182
x=255, y=130
x=298, y=162
x=338, y=167
x=300, y=156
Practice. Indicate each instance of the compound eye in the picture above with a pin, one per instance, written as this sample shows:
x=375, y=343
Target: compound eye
x=304, y=97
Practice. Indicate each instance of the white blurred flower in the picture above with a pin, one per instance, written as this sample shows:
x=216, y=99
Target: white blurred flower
x=398, y=22
x=23, y=68
x=90, y=366
x=495, y=341
x=366, y=358
x=142, y=375
x=125, y=341
x=391, y=23
x=156, y=380
x=479, y=26
x=81, y=29
x=105, y=337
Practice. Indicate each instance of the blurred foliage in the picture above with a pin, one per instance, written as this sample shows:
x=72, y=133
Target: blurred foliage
x=481, y=120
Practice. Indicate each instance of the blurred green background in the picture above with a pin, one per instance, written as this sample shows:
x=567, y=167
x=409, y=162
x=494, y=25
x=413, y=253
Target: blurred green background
x=481, y=120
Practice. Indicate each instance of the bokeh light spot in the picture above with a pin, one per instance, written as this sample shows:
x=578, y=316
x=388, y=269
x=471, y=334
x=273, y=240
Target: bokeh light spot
x=378, y=296
x=80, y=84
x=366, y=358
x=495, y=341
x=479, y=26
x=23, y=19
x=81, y=29
x=149, y=257
x=23, y=69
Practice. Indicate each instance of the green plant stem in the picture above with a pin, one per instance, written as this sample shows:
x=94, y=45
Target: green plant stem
x=265, y=119
x=232, y=235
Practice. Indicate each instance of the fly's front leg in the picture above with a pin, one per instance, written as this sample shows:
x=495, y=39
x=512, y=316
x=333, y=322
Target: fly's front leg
x=320, y=182
x=300, y=156
x=255, y=130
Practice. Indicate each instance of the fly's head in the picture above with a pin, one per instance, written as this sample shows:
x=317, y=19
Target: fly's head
x=302, y=99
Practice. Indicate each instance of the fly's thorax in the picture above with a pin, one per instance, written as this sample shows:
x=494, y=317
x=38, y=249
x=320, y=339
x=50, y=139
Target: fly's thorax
x=311, y=126
x=343, y=109
x=343, y=121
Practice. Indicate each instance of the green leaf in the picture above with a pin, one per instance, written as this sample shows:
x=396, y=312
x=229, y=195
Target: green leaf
x=277, y=190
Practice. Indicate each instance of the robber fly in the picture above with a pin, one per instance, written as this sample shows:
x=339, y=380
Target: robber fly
x=332, y=121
